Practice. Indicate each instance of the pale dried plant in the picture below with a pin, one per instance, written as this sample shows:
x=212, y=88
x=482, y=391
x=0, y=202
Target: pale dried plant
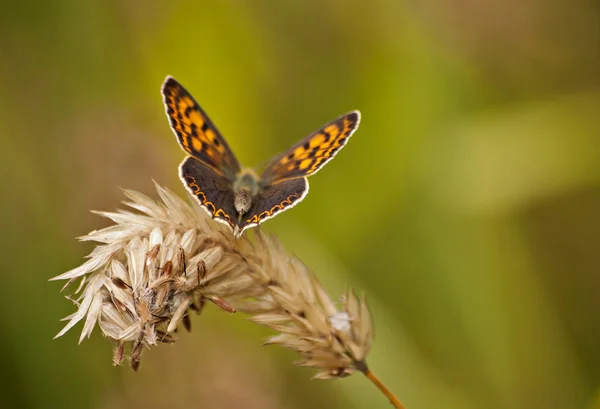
x=163, y=260
x=308, y=321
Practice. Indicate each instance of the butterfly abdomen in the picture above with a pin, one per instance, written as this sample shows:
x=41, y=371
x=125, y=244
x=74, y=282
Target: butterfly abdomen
x=242, y=202
x=245, y=188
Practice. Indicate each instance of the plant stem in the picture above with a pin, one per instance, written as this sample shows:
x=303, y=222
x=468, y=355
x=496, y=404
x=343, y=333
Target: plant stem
x=362, y=366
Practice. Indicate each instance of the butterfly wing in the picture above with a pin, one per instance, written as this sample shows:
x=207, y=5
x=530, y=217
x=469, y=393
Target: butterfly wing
x=195, y=131
x=273, y=199
x=312, y=153
x=212, y=189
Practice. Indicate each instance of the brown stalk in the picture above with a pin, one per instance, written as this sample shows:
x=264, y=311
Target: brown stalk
x=362, y=366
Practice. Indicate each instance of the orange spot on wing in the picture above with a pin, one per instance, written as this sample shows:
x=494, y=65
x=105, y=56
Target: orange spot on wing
x=333, y=130
x=196, y=144
x=186, y=102
x=195, y=118
x=210, y=135
x=317, y=141
x=305, y=163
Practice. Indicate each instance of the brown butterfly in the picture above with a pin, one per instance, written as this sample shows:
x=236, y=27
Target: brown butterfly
x=238, y=196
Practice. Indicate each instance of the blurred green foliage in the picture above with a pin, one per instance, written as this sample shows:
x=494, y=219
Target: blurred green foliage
x=466, y=207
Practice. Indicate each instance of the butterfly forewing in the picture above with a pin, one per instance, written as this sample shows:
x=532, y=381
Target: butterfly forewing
x=313, y=152
x=195, y=131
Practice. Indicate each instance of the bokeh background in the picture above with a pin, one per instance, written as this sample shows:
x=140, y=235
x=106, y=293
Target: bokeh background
x=466, y=207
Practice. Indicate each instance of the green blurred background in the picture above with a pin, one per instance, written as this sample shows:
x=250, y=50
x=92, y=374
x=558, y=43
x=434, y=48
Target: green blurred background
x=466, y=207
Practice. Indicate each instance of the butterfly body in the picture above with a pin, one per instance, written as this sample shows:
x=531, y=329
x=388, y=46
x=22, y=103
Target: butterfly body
x=237, y=196
x=246, y=187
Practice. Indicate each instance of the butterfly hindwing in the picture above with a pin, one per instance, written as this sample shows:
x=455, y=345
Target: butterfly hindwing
x=212, y=190
x=195, y=131
x=313, y=152
x=273, y=199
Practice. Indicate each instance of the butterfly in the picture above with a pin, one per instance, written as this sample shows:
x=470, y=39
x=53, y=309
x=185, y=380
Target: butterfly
x=236, y=196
